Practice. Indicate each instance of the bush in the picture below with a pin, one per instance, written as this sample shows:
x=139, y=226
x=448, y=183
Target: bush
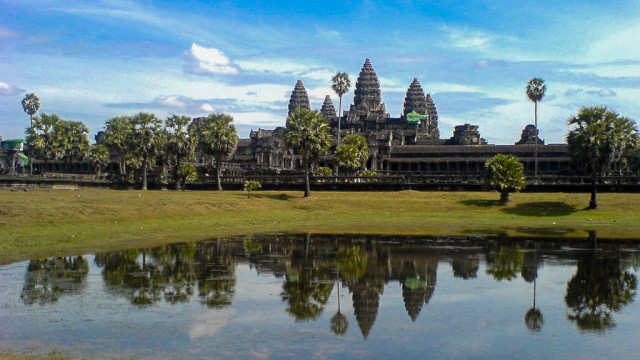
x=369, y=175
x=324, y=171
x=250, y=186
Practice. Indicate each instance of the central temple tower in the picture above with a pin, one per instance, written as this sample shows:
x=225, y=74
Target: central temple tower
x=367, y=109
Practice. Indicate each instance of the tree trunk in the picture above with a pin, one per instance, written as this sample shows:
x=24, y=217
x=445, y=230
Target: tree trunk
x=593, y=203
x=144, y=175
x=339, y=119
x=307, y=188
x=535, y=147
x=218, y=181
x=504, y=196
x=177, y=171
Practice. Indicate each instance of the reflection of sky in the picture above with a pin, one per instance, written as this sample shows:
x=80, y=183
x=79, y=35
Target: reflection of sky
x=475, y=318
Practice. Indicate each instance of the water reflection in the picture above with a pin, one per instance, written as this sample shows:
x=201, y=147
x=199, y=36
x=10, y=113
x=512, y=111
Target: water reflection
x=47, y=280
x=310, y=268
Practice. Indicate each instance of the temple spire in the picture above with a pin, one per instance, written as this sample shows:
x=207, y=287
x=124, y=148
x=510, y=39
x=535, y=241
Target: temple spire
x=328, y=111
x=299, y=98
x=432, y=118
x=367, y=90
x=415, y=99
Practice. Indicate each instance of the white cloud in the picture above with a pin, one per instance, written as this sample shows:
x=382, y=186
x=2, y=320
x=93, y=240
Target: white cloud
x=465, y=38
x=258, y=118
x=7, y=89
x=622, y=45
x=201, y=60
x=439, y=87
x=285, y=67
x=207, y=107
x=610, y=70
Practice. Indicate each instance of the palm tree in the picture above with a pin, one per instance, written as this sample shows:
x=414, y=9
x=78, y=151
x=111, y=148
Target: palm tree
x=118, y=138
x=536, y=89
x=100, y=157
x=180, y=144
x=217, y=137
x=147, y=137
x=308, y=134
x=41, y=139
x=31, y=105
x=600, y=137
x=505, y=174
x=341, y=85
x=72, y=141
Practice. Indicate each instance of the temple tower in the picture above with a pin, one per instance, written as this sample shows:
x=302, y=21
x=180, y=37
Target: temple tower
x=328, y=111
x=299, y=98
x=367, y=109
x=415, y=99
x=432, y=118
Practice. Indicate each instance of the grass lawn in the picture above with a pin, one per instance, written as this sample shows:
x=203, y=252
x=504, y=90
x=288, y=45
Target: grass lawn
x=41, y=223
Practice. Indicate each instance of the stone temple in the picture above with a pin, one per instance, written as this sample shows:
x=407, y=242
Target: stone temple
x=408, y=143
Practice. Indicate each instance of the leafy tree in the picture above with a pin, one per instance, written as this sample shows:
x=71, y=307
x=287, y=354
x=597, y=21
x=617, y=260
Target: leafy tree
x=180, y=144
x=217, y=137
x=31, y=105
x=599, y=138
x=148, y=140
x=505, y=174
x=352, y=152
x=187, y=173
x=536, y=89
x=41, y=139
x=118, y=138
x=504, y=262
x=308, y=134
x=100, y=157
x=324, y=171
x=71, y=140
x=341, y=85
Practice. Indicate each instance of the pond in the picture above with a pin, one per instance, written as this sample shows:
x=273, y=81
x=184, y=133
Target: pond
x=321, y=296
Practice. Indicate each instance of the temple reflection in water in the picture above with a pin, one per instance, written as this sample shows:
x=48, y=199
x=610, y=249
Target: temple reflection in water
x=310, y=267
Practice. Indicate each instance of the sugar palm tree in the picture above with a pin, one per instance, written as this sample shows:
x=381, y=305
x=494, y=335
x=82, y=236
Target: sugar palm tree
x=180, y=144
x=536, y=89
x=598, y=139
x=147, y=137
x=31, y=105
x=308, y=135
x=41, y=139
x=341, y=85
x=217, y=137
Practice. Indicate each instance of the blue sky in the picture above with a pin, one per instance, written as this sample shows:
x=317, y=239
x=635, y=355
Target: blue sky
x=90, y=61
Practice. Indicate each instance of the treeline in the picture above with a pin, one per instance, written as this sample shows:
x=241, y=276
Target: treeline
x=137, y=142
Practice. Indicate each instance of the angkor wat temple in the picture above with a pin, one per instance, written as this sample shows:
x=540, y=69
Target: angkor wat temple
x=409, y=143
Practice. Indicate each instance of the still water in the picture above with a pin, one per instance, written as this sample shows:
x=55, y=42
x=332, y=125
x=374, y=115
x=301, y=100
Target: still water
x=317, y=296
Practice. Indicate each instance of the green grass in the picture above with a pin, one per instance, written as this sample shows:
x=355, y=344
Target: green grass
x=41, y=223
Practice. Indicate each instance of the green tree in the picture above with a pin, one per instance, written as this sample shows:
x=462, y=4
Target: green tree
x=536, y=89
x=187, y=173
x=100, y=157
x=341, y=85
x=118, y=138
x=352, y=152
x=505, y=174
x=217, y=137
x=308, y=135
x=148, y=140
x=31, y=105
x=71, y=140
x=41, y=140
x=180, y=144
x=599, y=138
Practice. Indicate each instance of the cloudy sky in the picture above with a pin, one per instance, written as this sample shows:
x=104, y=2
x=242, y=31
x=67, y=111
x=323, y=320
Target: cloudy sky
x=93, y=60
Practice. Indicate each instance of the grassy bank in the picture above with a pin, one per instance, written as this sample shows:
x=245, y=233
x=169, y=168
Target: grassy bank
x=52, y=222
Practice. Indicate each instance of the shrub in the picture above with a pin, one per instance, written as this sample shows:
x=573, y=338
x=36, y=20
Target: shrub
x=324, y=171
x=250, y=186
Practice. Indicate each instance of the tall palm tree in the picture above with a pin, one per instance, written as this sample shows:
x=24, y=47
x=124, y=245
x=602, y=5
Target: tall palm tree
x=119, y=139
x=72, y=141
x=536, y=89
x=41, y=140
x=308, y=135
x=217, y=137
x=31, y=105
x=148, y=138
x=341, y=85
x=180, y=144
x=599, y=138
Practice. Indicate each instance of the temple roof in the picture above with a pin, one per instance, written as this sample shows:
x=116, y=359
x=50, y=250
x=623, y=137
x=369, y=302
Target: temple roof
x=299, y=98
x=415, y=100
